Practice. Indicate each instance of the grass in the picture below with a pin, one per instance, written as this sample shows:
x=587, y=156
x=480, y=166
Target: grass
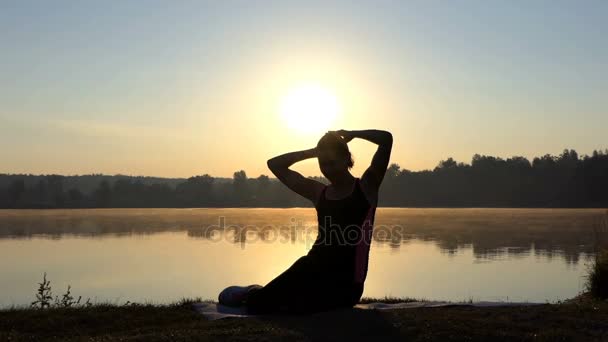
x=63, y=318
x=389, y=300
x=577, y=320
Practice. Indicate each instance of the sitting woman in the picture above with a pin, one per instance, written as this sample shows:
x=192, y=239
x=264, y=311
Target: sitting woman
x=331, y=275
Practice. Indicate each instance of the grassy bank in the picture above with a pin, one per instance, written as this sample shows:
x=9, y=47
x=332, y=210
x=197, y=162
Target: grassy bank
x=575, y=320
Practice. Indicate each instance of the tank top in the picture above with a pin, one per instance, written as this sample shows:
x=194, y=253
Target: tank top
x=344, y=236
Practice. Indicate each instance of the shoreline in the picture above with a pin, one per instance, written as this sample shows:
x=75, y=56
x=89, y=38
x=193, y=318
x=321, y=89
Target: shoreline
x=581, y=318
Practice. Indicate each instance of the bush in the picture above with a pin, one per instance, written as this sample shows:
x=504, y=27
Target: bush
x=597, y=278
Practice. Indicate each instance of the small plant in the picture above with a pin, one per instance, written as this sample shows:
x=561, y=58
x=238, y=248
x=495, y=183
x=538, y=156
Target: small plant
x=67, y=300
x=132, y=304
x=44, y=297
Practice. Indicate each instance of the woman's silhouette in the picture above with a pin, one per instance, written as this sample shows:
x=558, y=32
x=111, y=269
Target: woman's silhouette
x=333, y=272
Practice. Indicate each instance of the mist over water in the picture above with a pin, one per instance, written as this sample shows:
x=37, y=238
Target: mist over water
x=162, y=255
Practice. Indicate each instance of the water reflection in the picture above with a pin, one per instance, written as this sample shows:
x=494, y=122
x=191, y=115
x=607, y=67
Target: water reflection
x=491, y=234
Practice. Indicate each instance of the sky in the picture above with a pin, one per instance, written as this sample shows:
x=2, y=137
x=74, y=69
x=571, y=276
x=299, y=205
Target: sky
x=176, y=89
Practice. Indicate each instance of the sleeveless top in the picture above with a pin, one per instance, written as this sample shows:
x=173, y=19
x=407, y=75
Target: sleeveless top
x=344, y=236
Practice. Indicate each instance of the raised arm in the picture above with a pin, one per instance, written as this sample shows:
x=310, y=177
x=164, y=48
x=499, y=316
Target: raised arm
x=303, y=186
x=373, y=176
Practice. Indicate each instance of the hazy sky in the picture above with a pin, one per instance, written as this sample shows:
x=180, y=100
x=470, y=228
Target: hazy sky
x=176, y=88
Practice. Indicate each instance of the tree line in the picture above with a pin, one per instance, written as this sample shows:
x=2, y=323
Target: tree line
x=565, y=180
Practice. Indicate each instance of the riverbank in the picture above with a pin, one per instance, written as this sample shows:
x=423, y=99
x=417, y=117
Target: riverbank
x=580, y=319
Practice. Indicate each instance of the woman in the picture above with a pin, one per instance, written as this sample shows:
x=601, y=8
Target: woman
x=333, y=272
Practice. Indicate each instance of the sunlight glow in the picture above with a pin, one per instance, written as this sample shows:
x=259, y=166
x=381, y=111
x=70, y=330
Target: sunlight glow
x=309, y=108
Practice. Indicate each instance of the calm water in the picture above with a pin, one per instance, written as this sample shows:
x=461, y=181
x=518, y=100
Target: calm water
x=161, y=255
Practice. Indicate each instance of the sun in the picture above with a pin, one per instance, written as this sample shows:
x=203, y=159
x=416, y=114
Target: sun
x=309, y=108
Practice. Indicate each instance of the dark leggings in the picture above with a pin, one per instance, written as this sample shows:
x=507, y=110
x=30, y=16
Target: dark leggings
x=304, y=288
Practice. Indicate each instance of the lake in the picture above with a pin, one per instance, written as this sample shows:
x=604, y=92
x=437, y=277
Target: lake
x=163, y=255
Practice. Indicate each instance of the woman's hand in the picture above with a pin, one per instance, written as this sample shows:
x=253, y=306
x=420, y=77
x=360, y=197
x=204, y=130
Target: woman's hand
x=346, y=135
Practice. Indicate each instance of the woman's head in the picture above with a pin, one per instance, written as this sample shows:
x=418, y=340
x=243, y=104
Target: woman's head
x=333, y=155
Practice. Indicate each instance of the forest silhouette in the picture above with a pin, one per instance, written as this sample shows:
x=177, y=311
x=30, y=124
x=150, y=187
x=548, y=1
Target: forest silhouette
x=565, y=180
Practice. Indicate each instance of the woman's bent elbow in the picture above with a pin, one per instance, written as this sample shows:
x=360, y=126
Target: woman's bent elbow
x=270, y=164
x=388, y=138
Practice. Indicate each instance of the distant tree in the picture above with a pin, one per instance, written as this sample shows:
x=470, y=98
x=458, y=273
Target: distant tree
x=565, y=180
x=446, y=164
x=242, y=194
x=15, y=190
x=393, y=171
x=55, y=190
x=75, y=198
x=196, y=191
x=262, y=191
x=103, y=195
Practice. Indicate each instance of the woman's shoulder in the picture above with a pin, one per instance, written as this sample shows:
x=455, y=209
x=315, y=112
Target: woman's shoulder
x=369, y=193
